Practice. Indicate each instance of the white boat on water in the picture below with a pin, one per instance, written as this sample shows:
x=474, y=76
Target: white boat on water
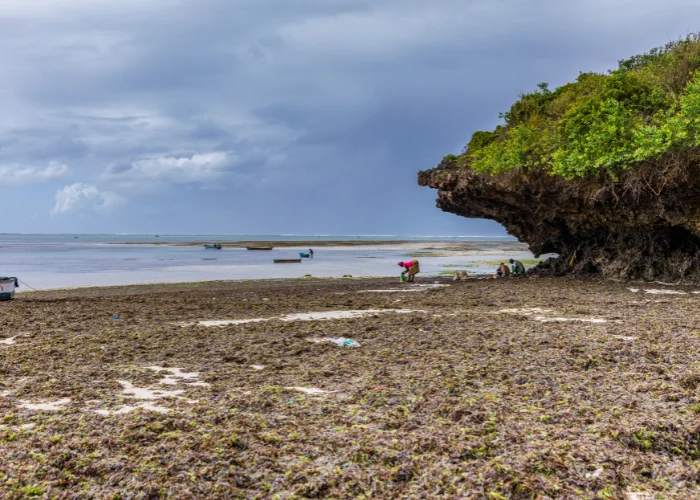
x=7, y=288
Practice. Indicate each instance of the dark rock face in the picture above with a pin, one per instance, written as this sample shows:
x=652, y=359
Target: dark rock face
x=644, y=225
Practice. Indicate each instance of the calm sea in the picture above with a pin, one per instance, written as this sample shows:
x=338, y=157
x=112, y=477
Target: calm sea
x=62, y=261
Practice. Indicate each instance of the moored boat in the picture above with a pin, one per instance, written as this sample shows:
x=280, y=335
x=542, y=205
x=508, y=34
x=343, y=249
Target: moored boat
x=7, y=288
x=304, y=255
x=212, y=247
x=258, y=248
x=286, y=261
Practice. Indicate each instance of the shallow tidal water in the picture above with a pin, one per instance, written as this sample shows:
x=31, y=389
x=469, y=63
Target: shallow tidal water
x=66, y=261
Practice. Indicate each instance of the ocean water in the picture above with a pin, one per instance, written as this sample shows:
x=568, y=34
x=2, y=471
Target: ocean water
x=64, y=261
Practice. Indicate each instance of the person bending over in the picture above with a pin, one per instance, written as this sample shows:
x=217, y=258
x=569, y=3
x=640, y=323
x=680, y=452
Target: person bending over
x=517, y=267
x=412, y=268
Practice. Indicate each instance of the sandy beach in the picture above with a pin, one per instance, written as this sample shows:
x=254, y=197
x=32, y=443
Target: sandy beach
x=475, y=389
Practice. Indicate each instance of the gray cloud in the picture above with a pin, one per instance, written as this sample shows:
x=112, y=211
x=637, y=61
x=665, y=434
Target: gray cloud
x=335, y=101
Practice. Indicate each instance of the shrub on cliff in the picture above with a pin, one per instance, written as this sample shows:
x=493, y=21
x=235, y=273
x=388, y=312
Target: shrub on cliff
x=601, y=123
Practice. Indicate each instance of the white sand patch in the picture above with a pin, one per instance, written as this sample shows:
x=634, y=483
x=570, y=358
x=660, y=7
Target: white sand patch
x=176, y=376
x=199, y=384
x=623, y=337
x=537, y=313
x=665, y=292
x=639, y=495
x=415, y=288
x=331, y=315
x=257, y=367
x=54, y=406
x=227, y=322
x=525, y=311
x=634, y=290
x=309, y=390
x=15, y=428
x=145, y=393
x=315, y=316
x=8, y=341
x=544, y=319
x=595, y=474
x=128, y=409
x=697, y=291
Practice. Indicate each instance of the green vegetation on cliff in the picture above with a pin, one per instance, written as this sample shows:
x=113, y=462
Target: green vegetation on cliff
x=601, y=123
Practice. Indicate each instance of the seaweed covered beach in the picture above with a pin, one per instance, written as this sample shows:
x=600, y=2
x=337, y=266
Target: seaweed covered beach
x=518, y=388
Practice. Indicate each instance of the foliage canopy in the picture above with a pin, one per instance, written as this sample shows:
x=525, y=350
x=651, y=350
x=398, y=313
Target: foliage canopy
x=601, y=123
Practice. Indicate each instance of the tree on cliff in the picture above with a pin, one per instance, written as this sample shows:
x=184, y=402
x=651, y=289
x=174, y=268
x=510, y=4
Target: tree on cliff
x=604, y=171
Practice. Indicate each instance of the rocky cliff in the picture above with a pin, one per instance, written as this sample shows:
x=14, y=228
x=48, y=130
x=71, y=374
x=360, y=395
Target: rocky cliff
x=602, y=171
x=643, y=224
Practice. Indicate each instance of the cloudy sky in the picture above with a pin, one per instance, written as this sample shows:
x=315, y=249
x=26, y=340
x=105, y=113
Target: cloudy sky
x=276, y=116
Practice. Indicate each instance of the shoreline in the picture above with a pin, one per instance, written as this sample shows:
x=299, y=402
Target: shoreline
x=165, y=285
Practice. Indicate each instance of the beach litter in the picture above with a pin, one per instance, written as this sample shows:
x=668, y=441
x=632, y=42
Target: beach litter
x=343, y=342
x=339, y=341
x=8, y=341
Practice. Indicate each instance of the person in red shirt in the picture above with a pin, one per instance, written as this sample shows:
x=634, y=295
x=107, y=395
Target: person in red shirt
x=412, y=268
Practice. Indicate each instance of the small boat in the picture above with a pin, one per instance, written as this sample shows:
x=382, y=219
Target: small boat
x=7, y=288
x=286, y=261
x=258, y=248
x=304, y=255
x=212, y=247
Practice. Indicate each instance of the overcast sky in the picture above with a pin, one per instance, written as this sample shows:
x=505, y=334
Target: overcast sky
x=276, y=116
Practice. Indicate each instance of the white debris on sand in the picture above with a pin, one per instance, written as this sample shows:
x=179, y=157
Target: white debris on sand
x=665, y=292
x=314, y=316
x=54, y=406
x=8, y=341
x=634, y=290
x=257, y=367
x=623, y=337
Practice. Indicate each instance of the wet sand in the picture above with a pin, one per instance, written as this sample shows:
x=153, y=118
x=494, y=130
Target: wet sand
x=479, y=389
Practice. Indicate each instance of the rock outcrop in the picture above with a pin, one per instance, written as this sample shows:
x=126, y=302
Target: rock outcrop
x=643, y=225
